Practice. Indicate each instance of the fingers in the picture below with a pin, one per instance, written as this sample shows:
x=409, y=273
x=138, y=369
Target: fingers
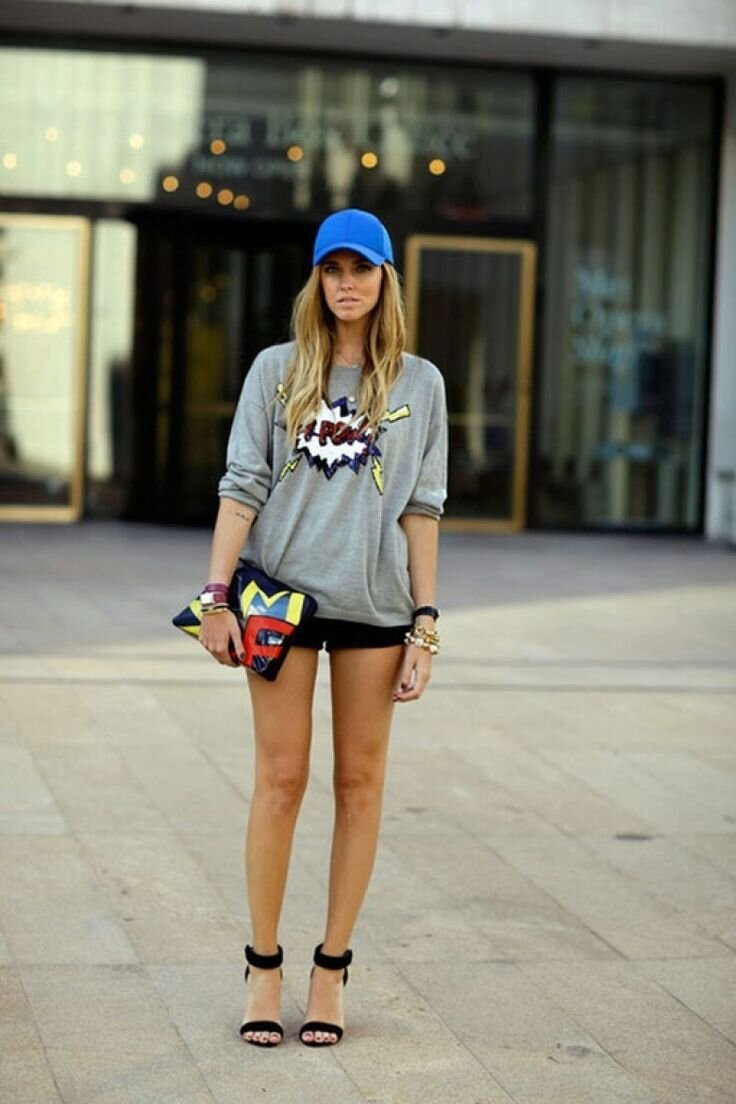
x=237, y=644
x=223, y=642
x=414, y=675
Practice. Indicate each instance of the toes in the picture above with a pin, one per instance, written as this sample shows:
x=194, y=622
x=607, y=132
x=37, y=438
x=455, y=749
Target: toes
x=262, y=1036
x=324, y=1037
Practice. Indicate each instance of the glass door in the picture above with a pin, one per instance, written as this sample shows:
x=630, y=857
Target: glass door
x=44, y=290
x=470, y=311
x=208, y=300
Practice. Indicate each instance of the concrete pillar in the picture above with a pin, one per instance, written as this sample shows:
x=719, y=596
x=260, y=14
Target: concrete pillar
x=720, y=512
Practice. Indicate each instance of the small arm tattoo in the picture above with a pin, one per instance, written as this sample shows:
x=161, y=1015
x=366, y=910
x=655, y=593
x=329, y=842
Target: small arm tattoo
x=245, y=517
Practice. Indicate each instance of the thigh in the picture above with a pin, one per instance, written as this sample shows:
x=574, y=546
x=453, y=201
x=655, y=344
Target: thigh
x=361, y=686
x=282, y=709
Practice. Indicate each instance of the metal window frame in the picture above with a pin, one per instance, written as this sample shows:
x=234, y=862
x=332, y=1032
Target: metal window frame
x=527, y=251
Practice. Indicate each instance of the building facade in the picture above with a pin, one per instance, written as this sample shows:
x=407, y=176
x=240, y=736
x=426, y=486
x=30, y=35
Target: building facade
x=561, y=190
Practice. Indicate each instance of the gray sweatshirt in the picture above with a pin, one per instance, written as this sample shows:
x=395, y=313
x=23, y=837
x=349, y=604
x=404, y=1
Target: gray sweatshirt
x=328, y=509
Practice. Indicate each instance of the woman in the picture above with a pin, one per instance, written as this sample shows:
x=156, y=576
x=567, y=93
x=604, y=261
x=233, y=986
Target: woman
x=335, y=482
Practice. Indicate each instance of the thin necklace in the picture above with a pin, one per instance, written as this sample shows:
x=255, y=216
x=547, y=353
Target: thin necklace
x=345, y=362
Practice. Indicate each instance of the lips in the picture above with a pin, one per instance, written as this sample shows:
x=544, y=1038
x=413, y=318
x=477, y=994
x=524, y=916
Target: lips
x=347, y=302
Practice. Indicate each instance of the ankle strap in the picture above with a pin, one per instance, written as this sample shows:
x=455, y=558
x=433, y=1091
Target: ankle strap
x=264, y=962
x=332, y=962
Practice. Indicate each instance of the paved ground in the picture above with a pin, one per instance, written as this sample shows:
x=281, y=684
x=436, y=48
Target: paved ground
x=552, y=918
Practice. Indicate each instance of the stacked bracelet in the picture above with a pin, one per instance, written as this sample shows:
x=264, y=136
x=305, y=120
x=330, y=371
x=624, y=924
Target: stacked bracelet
x=220, y=590
x=214, y=598
x=429, y=639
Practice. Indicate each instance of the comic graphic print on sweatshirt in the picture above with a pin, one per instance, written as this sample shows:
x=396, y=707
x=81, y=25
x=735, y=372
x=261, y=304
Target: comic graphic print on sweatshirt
x=337, y=438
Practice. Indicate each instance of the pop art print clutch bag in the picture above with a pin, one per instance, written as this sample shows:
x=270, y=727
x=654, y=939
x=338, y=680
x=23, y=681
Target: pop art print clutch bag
x=269, y=613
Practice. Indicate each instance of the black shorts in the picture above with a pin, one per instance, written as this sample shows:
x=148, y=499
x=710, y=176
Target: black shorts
x=320, y=631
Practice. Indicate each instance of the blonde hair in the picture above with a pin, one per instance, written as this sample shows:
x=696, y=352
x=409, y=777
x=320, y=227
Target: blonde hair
x=313, y=327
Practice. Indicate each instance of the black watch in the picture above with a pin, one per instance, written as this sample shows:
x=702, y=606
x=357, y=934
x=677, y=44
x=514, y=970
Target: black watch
x=428, y=611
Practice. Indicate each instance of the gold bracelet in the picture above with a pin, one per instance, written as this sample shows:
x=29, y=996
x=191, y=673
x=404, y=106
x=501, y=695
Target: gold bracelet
x=222, y=608
x=430, y=635
x=431, y=646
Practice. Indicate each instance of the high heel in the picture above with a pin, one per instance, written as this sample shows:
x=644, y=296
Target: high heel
x=263, y=962
x=328, y=962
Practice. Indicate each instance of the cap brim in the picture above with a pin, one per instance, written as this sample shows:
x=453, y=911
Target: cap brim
x=369, y=254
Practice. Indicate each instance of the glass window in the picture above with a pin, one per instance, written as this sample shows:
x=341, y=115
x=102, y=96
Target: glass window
x=470, y=311
x=266, y=135
x=110, y=416
x=626, y=299
x=43, y=309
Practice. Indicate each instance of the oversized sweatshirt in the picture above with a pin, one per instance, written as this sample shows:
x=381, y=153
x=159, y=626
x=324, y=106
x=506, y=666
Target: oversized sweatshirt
x=328, y=508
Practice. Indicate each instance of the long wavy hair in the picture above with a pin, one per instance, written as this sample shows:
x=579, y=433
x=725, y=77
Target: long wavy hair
x=313, y=328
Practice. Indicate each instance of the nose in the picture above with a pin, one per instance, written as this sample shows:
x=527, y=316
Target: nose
x=346, y=281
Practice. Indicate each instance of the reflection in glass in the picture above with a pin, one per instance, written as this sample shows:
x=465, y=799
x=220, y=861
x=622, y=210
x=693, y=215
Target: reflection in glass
x=626, y=298
x=293, y=134
x=110, y=414
x=472, y=305
x=43, y=290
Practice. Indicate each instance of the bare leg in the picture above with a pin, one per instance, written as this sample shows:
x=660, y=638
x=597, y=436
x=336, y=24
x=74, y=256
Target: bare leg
x=362, y=681
x=282, y=717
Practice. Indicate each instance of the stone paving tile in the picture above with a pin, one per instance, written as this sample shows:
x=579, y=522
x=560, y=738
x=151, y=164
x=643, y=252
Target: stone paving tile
x=515, y=918
x=620, y=910
x=538, y=1052
x=26, y=806
x=170, y=910
x=678, y=1057
x=687, y=774
x=401, y=1048
x=119, y=714
x=184, y=786
x=453, y=792
x=51, y=908
x=108, y=1038
x=679, y=879
x=643, y=794
x=9, y=735
x=224, y=735
x=25, y=1077
x=565, y=802
x=717, y=848
x=95, y=789
x=5, y=956
x=705, y=987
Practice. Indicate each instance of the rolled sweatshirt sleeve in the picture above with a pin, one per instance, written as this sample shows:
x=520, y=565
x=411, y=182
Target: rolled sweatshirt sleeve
x=249, y=449
x=430, y=490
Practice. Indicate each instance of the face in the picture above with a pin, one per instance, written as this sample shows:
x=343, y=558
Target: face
x=351, y=284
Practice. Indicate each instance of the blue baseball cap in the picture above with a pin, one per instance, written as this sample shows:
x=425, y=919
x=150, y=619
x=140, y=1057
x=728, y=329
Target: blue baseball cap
x=357, y=230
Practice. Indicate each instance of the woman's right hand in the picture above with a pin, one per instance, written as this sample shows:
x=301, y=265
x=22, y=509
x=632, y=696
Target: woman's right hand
x=216, y=633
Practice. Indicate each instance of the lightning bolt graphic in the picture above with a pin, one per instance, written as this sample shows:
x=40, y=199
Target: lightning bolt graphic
x=289, y=466
x=396, y=415
x=377, y=473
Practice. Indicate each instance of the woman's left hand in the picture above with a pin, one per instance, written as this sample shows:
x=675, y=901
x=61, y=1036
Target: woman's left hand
x=415, y=673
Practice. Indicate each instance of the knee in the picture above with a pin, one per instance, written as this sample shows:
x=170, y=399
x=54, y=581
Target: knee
x=358, y=790
x=282, y=785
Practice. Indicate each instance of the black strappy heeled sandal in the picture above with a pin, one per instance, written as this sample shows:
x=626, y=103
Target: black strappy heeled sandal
x=263, y=962
x=328, y=962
